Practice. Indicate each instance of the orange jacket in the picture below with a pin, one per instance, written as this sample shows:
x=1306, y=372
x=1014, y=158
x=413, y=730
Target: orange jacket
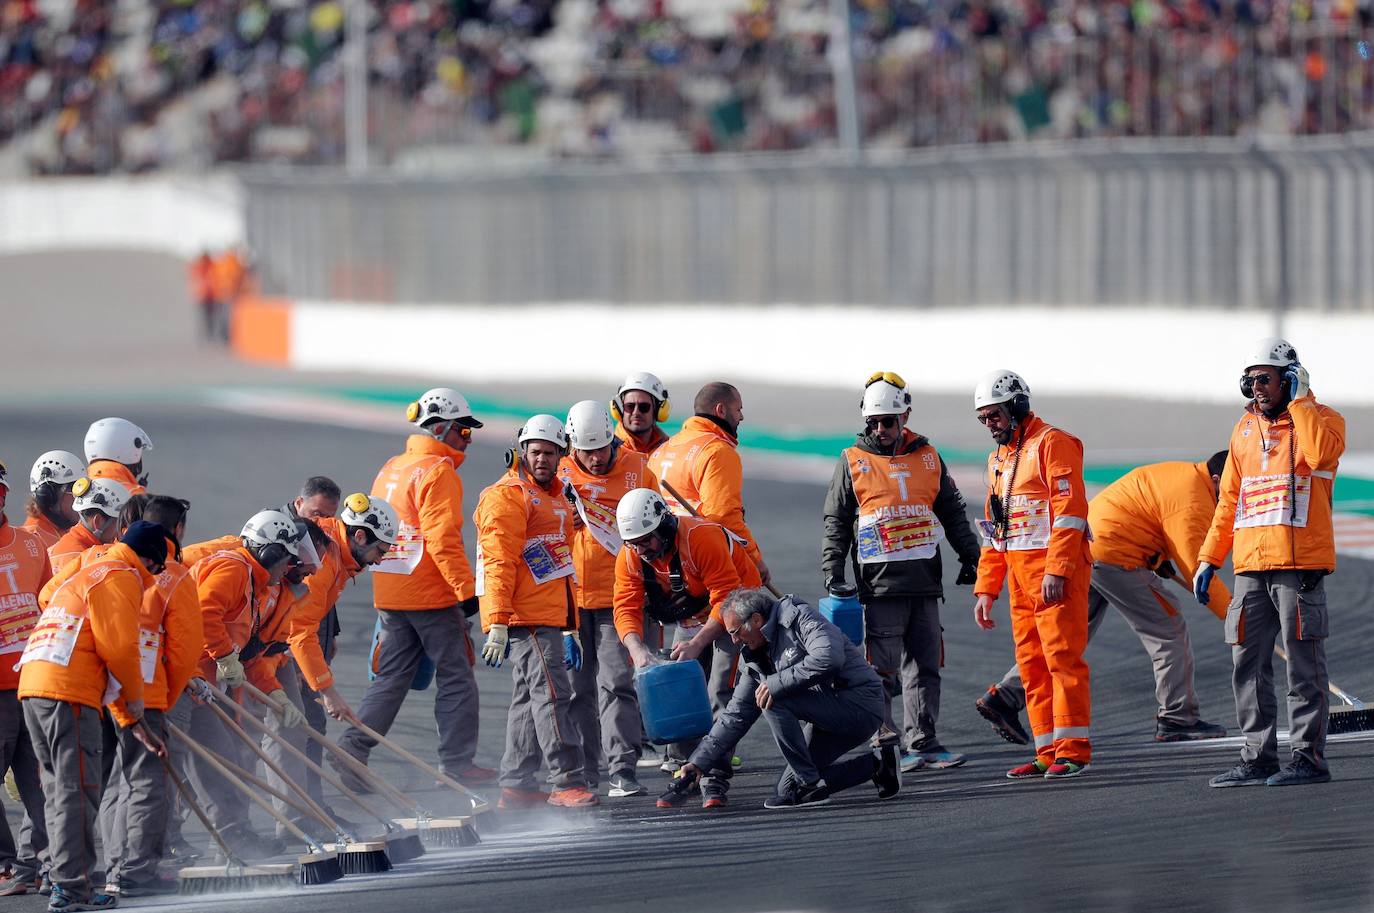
x=196, y=551
x=227, y=276
x=702, y=465
x=1157, y=513
x=24, y=569
x=109, y=469
x=524, y=560
x=73, y=542
x=236, y=603
x=105, y=597
x=202, y=278
x=1048, y=506
x=592, y=558
x=713, y=565
x=657, y=438
x=1255, y=505
x=337, y=568
x=423, y=487
x=46, y=530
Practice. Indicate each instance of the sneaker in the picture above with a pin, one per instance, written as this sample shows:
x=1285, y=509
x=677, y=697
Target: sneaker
x=713, y=793
x=623, y=785
x=993, y=708
x=46, y=887
x=1299, y=772
x=62, y=902
x=887, y=778
x=1063, y=769
x=473, y=775
x=912, y=761
x=573, y=797
x=933, y=755
x=1033, y=770
x=679, y=788
x=671, y=765
x=152, y=888
x=801, y=797
x=1246, y=773
x=13, y=887
x=1169, y=731
x=514, y=799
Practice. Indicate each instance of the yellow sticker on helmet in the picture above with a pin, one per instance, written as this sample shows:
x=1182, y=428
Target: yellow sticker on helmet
x=81, y=486
x=358, y=502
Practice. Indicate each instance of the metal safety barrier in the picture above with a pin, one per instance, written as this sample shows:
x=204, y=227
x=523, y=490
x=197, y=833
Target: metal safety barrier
x=1179, y=223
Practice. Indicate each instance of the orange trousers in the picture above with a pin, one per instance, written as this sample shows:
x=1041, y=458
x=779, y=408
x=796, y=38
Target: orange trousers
x=1050, y=640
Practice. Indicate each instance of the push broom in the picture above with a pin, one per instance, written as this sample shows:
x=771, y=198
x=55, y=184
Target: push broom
x=437, y=832
x=235, y=875
x=316, y=866
x=355, y=857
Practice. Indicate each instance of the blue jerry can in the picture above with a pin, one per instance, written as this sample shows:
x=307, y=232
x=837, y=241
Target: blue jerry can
x=673, y=702
x=842, y=609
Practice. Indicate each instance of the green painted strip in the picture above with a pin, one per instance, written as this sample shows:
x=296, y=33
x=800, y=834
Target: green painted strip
x=1353, y=495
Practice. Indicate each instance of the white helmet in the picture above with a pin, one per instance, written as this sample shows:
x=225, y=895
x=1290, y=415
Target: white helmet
x=370, y=513
x=56, y=466
x=104, y=495
x=544, y=427
x=116, y=439
x=268, y=527
x=441, y=403
x=589, y=425
x=640, y=512
x=1000, y=386
x=643, y=380
x=884, y=398
x=1272, y=351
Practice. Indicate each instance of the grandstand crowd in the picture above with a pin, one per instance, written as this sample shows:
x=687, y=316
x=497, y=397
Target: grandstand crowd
x=96, y=87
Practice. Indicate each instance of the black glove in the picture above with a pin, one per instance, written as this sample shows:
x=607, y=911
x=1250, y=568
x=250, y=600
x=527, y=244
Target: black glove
x=1166, y=570
x=968, y=575
x=469, y=606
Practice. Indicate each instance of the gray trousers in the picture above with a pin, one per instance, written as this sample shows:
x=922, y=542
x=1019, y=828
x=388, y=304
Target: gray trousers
x=720, y=663
x=540, y=726
x=288, y=762
x=605, y=707
x=1264, y=607
x=180, y=756
x=1151, y=609
x=66, y=740
x=17, y=754
x=133, y=810
x=442, y=635
x=815, y=728
x=223, y=803
x=905, y=647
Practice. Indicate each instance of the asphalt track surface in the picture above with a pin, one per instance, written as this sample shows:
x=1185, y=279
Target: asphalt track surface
x=1140, y=830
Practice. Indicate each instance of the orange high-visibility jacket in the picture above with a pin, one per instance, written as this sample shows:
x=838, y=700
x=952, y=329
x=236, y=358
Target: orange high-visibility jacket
x=109, y=469
x=236, y=602
x=105, y=597
x=197, y=551
x=46, y=530
x=423, y=487
x=169, y=615
x=1274, y=506
x=702, y=465
x=594, y=562
x=713, y=565
x=657, y=438
x=24, y=569
x=1047, y=505
x=524, y=560
x=227, y=276
x=73, y=542
x=337, y=568
x=1157, y=513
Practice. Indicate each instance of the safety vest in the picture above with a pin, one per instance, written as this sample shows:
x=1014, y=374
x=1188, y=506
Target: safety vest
x=597, y=542
x=896, y=496
x=73, y=542
x=23, y=571
x=54, y=637
x=1276, y=484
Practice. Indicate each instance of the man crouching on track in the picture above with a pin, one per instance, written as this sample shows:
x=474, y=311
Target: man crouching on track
x=798, y=668
x=524, y=584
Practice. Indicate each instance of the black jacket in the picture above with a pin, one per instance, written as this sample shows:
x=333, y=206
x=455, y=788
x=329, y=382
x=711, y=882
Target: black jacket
x=919, y=577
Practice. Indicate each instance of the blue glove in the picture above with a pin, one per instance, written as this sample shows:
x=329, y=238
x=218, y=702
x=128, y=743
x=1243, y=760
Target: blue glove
x=1202, y=580
x=1296, y=381
x=572, y=651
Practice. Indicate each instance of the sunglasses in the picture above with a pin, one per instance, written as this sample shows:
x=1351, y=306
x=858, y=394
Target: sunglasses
x=1260, y=380
x=637, y=407
x=885, y=421
x=988, y=419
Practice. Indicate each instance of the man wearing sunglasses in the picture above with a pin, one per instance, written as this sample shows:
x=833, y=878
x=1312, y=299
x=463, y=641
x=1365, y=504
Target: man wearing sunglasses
x=1036, y=541
x=1273, y=517
x=424, y=589
x=890, y=504
x=639, y=406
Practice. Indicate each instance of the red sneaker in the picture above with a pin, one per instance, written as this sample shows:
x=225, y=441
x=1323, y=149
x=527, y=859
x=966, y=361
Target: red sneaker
x=520, y=798
x=1035, y=770
x=573, y=797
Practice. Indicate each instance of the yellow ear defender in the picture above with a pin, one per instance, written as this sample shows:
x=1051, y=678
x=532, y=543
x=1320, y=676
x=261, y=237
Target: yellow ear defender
x=358, y=502
x=665, y=409
x=81, y=486
x=412, y=412
x=511, y=456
